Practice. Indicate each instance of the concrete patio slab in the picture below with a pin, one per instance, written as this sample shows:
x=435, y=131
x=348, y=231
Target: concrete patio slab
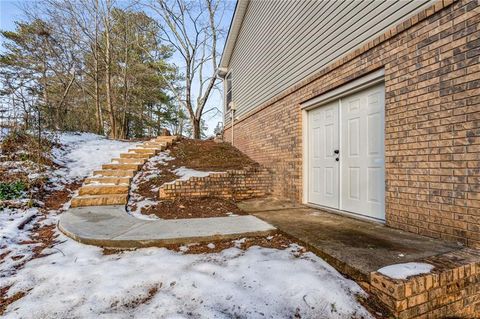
x=355, y=247
x=111, y=226
x=267, y=204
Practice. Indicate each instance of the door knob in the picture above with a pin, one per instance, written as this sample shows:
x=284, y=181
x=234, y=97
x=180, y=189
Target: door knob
x=336, y=151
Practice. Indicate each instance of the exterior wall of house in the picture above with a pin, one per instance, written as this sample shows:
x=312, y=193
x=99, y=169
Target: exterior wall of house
x=432, y=129
x=282, y=42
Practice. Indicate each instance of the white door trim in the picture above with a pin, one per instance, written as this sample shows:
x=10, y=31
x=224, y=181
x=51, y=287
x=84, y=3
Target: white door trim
x=348, y=89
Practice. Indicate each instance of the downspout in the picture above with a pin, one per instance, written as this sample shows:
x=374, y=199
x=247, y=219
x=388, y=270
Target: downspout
x=233, y=108
x=233, y=122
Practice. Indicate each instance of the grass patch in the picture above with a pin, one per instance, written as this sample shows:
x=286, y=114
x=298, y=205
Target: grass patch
x=13, y=190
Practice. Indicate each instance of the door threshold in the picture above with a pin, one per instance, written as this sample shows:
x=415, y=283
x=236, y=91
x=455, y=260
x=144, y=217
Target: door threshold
x=346, y=213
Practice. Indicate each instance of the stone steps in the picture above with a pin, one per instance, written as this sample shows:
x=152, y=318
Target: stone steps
x=149, y=151
x=122, y=167
x=108, y=180
x=158, y=143
x=138, y=161
x=135, y=155
x=166, y=138
x=103, y=189
x=110, y=185
x=114, y=173
x=160, y=147
x=99, y=200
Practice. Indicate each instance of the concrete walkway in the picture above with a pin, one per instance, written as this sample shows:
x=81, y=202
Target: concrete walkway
x=111, y=226
x=98, y=215
x=355, y=247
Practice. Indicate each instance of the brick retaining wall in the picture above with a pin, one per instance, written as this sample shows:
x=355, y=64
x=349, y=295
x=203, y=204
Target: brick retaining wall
x=452, y=290
x=233, y=184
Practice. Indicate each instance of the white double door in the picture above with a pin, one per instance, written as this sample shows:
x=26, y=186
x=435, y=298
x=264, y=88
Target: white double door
x=346, y=167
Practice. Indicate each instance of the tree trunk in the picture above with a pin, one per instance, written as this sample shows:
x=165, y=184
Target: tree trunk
x=196, y=129
x=97, y=85
x=108, y=80
x=125, y=85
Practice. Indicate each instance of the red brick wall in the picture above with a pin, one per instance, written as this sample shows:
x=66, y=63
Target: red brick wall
x=234, y=184
x=432, y=83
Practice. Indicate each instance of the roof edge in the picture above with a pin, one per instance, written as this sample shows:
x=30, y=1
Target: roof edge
x=233, y=31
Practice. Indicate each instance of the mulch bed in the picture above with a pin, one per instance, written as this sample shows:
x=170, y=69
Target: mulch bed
x=165, y=176
x=275, y=241
x=55, y=200
x=194, y=208
x=199, y=155
x=209, y=156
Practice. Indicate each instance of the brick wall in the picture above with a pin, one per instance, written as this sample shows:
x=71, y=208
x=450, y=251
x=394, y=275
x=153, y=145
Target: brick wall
x=233, y=184
x=450, y=291
x=432, y=83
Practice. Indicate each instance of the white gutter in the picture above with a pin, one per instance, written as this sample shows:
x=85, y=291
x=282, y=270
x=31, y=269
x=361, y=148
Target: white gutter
x=235, y=26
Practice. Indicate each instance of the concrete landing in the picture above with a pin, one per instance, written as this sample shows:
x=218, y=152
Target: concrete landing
x=355, y=247
x=111, y=226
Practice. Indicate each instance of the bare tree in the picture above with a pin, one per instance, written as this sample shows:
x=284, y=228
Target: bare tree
x=193, y=29
x=85, y=17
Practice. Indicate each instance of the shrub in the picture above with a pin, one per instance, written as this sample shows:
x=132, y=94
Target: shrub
x=11, y=190
x=22, y=146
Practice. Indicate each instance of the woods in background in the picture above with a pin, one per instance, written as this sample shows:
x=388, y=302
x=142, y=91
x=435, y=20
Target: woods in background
x=91, y=65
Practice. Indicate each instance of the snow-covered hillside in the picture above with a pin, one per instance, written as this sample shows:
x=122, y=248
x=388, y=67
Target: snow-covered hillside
x=79, y=281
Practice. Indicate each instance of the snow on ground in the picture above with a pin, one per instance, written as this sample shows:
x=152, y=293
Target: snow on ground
x=150, y=170
x=12, y=237
x=4, y=132
x=85, y=152
x=403, y=271
x=186, y=173
x=80, y=154
x=77, y=281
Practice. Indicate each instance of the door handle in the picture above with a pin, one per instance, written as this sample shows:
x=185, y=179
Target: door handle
x=336, y=151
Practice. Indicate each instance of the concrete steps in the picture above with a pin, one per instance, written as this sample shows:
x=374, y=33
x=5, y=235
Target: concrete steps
x=110, y=185
x=108, y=180
x=99, y=200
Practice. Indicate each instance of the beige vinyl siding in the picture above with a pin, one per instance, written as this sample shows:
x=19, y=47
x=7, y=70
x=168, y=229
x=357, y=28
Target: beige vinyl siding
x=283, y=42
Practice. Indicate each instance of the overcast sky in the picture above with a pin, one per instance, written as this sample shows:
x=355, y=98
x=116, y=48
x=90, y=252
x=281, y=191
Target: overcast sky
x=10, y=11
